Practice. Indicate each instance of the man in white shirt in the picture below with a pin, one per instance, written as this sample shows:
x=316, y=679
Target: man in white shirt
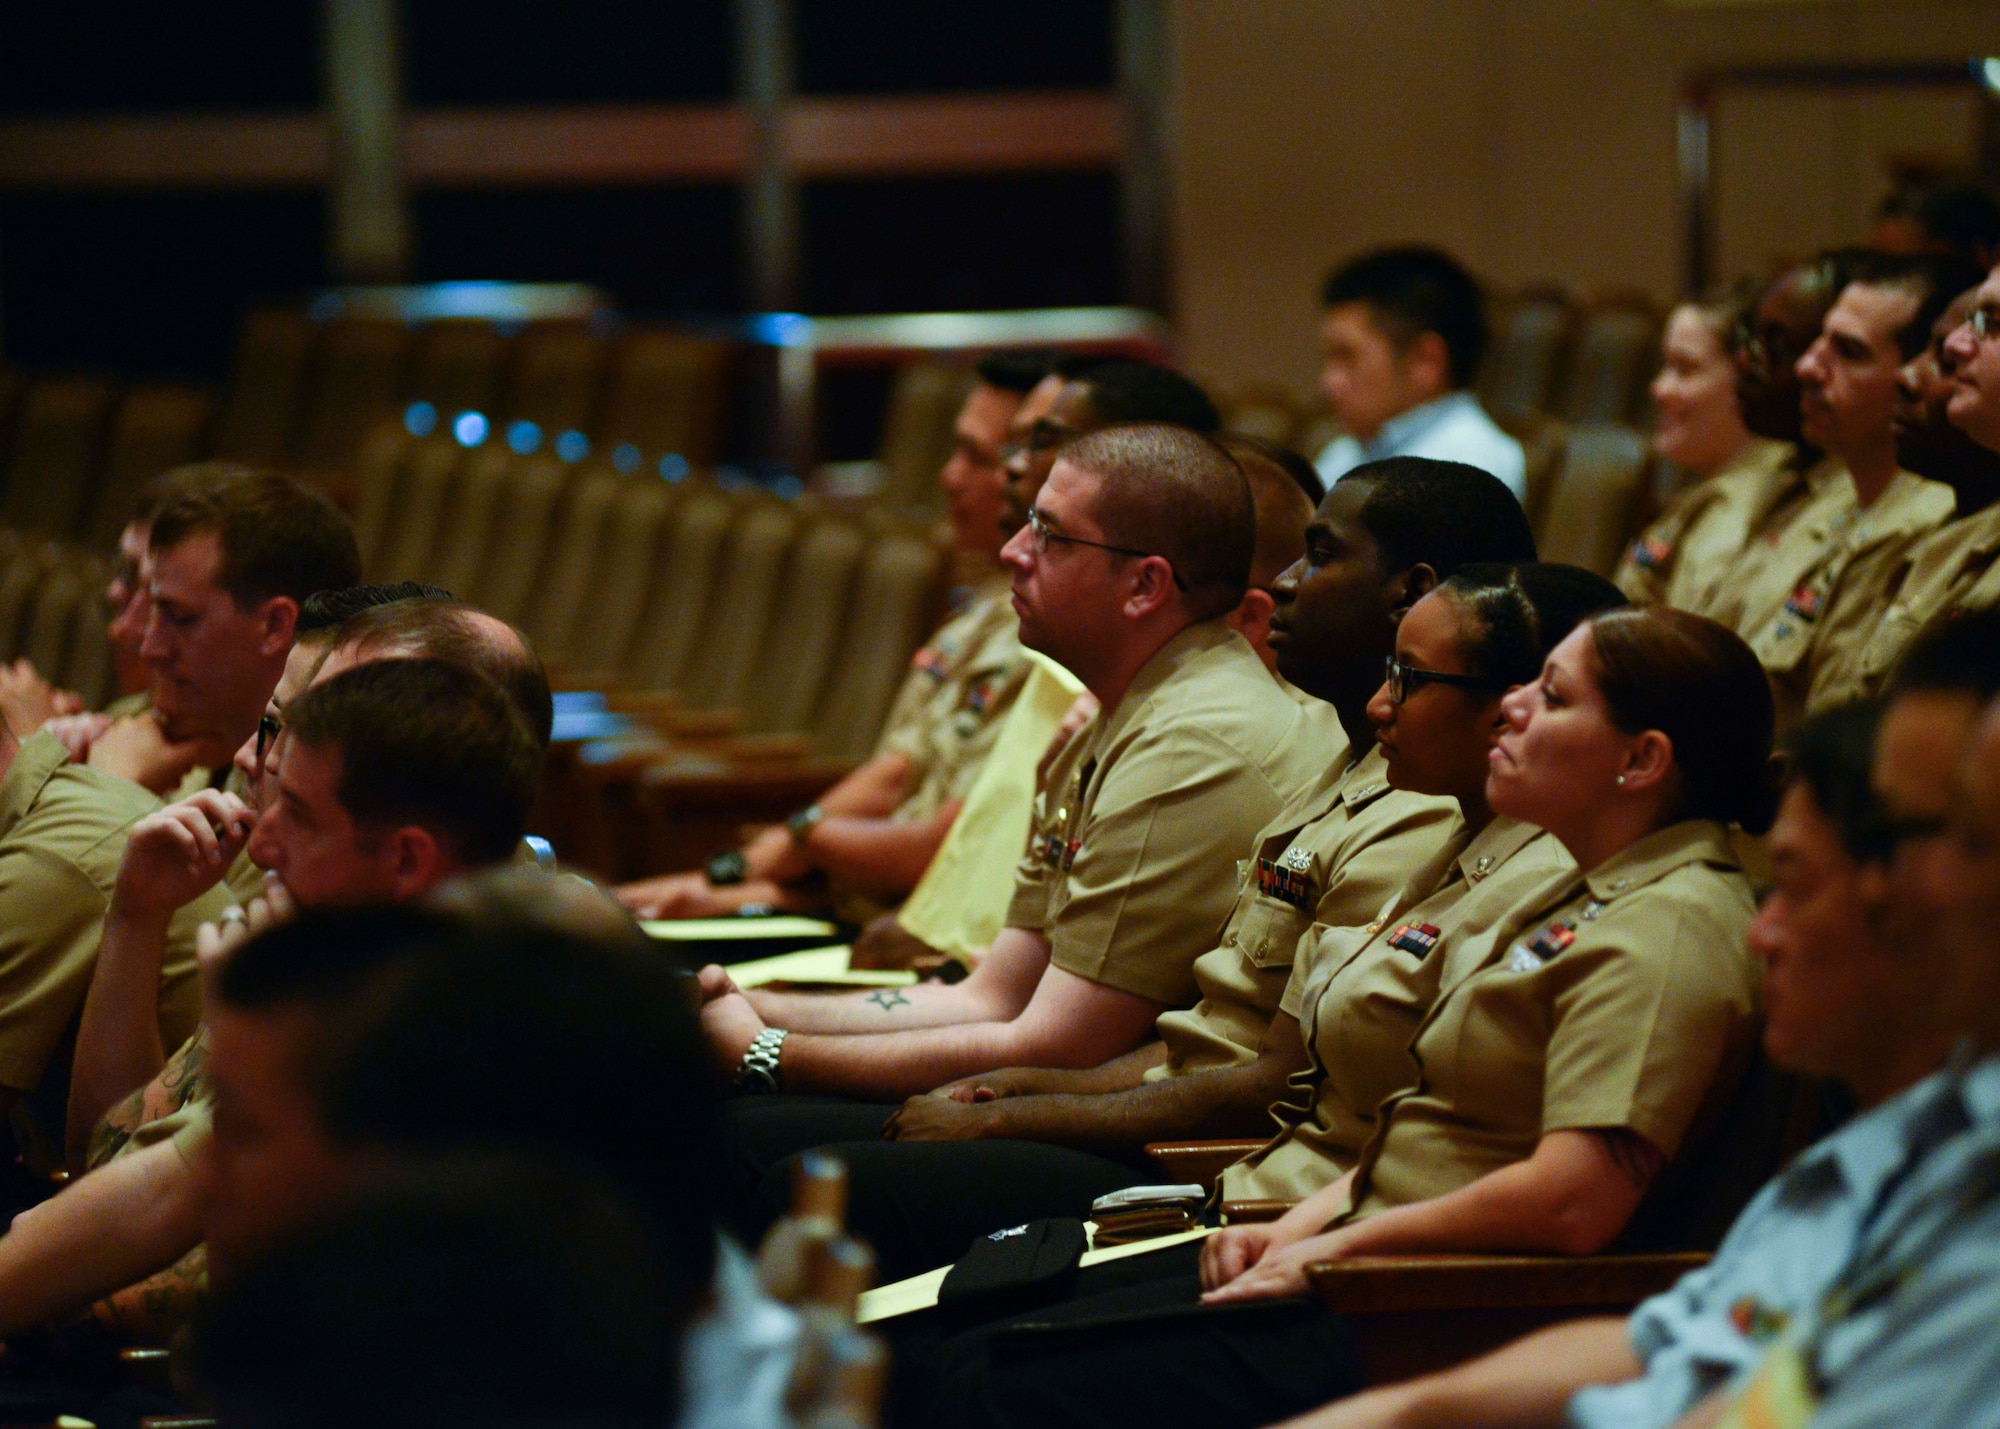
x=1402, y=337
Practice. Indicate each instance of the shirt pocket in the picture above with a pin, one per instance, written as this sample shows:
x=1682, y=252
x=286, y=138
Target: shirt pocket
x=1270, y=931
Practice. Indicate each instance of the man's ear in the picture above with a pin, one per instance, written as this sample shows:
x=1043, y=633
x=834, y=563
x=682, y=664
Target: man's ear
x=1427, y=363
x=278, y=621
x=1151, y=586
x=414, y=861
x=1411, y=586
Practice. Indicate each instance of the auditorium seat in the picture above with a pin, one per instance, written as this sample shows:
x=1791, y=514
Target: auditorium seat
x=468, y=528
x=1541, y=440
x=1596, y=497
x=556, y=372
x=732, y=634
x=917, y=430
x=1265, y=412
x=355, y=379
x=457, y=366
x=68, y=585
x=90, y=667
x=898, y=601
x=602, y=629
x=53, y=458
x=267, y=385
x=159, y=426
x=804, y=628
x=424, y=486
x=380, y=466
x=581, y=565
x=682, y=578
x=27, y=563
x=522, y=528
x=667, y=393
x=1524, y=359
x=1613, y=356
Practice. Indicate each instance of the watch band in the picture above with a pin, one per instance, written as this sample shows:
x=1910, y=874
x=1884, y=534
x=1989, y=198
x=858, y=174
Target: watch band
x=726, y=870
x=758, y=1071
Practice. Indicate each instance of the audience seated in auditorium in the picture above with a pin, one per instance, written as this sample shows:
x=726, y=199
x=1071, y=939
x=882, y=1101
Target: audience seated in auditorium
x=1867, y=629
x=1401, y=341
x=1573, y=1050
x=1341, y=856
x=391, y=776
x=871, y=835
x=1861, y=953
x=1882, y=318
x=1682, y=557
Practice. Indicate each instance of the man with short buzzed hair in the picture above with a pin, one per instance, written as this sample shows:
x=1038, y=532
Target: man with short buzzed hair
x=1194, y=749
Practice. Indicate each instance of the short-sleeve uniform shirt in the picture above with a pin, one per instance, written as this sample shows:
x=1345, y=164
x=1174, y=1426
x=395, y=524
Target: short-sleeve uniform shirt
x=1686, y=554
x=949, y=709
x=1858, y=545
x=62, y=835
x=1789, y=539
x=1866, y=631
x=1359, y=995
x=1622, y=998
x=1160, y=796
x=1331, y=857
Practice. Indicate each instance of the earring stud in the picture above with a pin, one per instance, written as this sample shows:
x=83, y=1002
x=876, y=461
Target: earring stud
x=1621, y=778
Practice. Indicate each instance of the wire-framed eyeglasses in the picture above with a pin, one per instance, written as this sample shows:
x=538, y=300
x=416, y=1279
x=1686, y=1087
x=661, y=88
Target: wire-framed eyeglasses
x=1040, y=532
x=1405, y=680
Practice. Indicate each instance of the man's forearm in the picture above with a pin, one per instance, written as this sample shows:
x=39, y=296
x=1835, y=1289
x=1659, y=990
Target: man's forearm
x=905, y=1064
x=107, y=1230
x=1527, y=1385
x=869, y=792
x=118, y=1043
x=1228, y=1101
x=881, y=856
x=886, y=1009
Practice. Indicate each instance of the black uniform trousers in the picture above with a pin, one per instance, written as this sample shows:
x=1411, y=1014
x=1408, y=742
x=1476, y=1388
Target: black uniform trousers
x=919, y=1204
x=1131, y=1348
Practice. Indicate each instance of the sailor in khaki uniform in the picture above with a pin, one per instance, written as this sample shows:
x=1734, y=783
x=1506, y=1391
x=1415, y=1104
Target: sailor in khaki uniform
x=1359, y=1006
x=62, y=834
x=1686, y=555
x=1621, y=998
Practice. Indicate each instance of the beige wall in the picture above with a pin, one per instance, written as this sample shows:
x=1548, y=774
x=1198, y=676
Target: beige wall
x=1533, y=137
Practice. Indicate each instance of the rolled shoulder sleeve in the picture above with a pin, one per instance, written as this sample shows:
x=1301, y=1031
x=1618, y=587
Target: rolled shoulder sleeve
x=51, y=921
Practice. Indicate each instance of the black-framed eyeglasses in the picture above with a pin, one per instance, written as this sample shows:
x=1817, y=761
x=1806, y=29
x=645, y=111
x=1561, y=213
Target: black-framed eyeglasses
x=1039, y=531
x=1984, y=322
x=1405, y=680
x=269, y=727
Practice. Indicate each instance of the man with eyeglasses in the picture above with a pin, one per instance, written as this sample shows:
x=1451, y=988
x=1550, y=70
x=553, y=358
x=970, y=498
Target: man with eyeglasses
x=1034, y=1140
x=1137, y=549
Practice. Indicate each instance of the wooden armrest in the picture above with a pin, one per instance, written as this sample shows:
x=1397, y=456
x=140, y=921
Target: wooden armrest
x=1237, y=1213
x=696, y=724
x=1197, y=1162
x=1588, y=1283
x=671, y=786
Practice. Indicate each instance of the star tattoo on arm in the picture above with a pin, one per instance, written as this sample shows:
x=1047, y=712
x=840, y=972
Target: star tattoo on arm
x=888, y=999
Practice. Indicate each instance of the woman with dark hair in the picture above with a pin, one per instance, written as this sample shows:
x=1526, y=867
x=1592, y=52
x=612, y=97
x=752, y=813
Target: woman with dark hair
x=1580, y=1043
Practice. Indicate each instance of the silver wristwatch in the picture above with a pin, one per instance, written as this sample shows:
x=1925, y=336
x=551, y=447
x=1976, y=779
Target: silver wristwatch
x=758, y=1071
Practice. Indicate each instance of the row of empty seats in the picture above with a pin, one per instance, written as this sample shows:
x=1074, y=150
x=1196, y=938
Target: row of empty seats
x=75, y=449
x=52, y=612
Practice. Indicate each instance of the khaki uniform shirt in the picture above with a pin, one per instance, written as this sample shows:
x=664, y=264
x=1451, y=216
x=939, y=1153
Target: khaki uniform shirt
x=1359, y=995
x=1331, y=857
x=961, y=902
x=62, y=835
x=1159, y=797
x=1619, y=998
x=1860, y=544
x=162, y=1104
x=1685, y=556
x=1874, y=619
x=950, y=708
x=1792, y=535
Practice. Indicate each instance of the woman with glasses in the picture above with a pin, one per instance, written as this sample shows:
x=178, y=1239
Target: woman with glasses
x=1731, y=471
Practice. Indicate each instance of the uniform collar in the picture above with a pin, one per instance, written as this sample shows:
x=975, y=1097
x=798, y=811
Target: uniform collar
x=1658, y=854
x=1178, y=654
x=1979, y=1084
x=1365, y=780
x=35, y=763
x=1493, y=845
x=1399, y=431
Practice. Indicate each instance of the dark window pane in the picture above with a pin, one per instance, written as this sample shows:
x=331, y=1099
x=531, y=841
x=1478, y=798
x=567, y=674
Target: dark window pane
x=579, y=52
x=671, y=249
x=82, y=55
x=148, y=283
x=921, y=46
x=960, y=244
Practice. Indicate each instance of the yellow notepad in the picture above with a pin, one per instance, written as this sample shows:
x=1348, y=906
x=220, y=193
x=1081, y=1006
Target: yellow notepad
x=920, y=1292
x=729, y=930
x=822, y=965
